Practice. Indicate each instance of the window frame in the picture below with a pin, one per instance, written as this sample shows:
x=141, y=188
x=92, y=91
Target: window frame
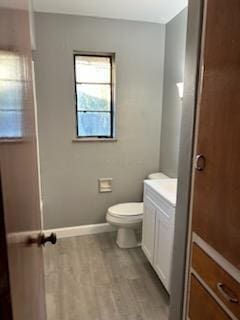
x=112, y=112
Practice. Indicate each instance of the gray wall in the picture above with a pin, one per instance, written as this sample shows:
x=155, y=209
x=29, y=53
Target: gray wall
x=172, y=106
x=69, y=171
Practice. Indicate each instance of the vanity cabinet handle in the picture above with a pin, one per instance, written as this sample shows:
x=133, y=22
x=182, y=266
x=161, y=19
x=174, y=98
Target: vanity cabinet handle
x=227, y=293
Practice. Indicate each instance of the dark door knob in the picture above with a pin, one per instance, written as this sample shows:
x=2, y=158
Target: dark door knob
x=52, y=239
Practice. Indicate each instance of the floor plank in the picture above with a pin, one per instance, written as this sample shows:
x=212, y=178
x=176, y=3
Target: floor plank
x=90, y=278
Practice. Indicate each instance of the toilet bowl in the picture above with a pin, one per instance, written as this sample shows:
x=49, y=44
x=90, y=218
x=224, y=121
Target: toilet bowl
x=127, y=218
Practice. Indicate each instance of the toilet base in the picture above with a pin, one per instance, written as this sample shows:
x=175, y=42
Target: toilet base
x=126, y=238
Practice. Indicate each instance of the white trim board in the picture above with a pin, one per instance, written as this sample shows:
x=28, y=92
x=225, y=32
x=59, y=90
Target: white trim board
x=80, y=230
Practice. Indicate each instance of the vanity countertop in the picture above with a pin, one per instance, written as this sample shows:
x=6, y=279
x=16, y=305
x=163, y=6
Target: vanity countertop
x=167, y=188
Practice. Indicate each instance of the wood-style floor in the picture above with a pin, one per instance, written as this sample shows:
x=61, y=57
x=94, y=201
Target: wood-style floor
x=90, y=278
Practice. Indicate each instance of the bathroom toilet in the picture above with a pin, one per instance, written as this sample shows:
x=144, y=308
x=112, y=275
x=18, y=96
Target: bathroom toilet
x=127, y=218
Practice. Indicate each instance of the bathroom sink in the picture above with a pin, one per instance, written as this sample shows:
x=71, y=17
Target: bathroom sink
x=167, y=188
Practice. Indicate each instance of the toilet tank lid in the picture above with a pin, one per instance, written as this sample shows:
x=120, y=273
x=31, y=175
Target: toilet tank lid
x=158, y=175
x=127, y=209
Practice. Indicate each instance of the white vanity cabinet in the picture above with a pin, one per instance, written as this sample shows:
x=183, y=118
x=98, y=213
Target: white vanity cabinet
x=158, y=225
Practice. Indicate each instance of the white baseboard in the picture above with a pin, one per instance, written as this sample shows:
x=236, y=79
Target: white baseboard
x=81, y=230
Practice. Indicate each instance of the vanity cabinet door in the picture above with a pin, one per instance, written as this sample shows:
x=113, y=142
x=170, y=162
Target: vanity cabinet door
x=148, y=234
x=163, y=248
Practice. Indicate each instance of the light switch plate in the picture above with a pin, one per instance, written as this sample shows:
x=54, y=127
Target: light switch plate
x=105, y=185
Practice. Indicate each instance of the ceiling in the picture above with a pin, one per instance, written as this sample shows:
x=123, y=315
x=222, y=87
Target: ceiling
x=159, y=11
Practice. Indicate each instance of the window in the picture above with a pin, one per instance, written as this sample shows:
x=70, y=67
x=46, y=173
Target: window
x=94, y=95
x=12, y=87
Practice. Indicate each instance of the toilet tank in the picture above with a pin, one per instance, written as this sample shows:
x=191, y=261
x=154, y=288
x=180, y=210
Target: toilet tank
x=157, y=175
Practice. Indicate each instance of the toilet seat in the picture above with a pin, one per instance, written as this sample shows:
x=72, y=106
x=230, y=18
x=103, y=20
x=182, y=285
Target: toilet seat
x=126, y=210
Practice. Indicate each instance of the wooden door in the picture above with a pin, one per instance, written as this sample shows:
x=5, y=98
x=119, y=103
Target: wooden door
x=5, y=299
x=18, y=163
x=216, y=198
x=148, y=236
x=164, y=235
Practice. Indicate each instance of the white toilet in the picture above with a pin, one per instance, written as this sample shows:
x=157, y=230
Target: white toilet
x=127, y=217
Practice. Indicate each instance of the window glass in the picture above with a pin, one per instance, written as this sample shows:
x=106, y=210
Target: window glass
x=93, y=97
x=93, y=69
x=94, y=124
